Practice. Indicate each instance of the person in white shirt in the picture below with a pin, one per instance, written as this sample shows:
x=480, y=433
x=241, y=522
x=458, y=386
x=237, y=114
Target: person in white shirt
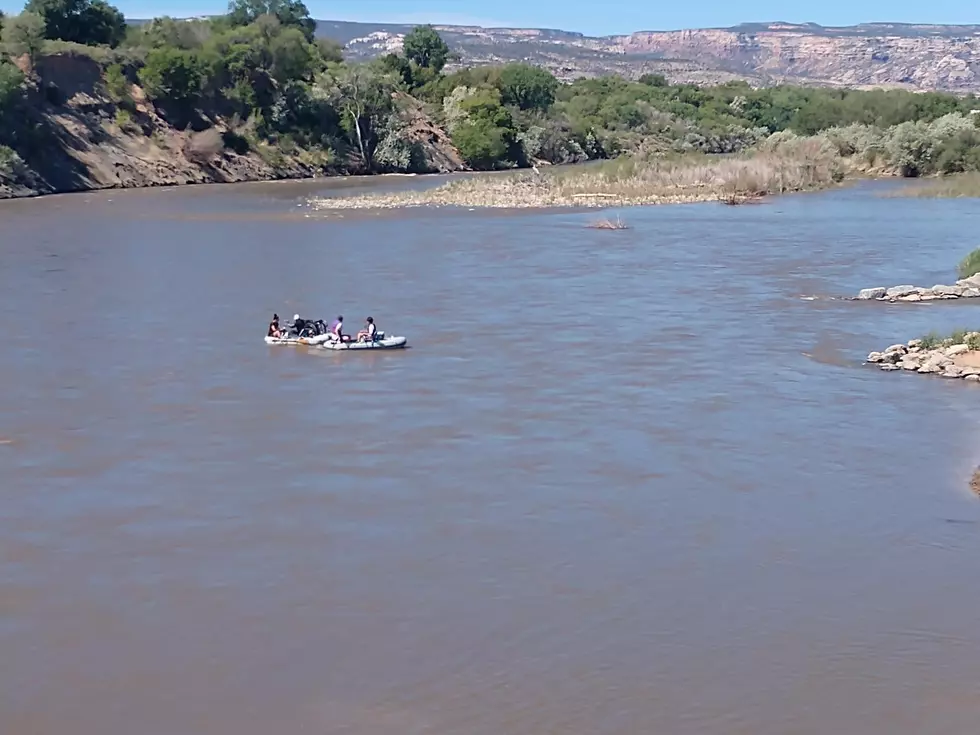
x=370, y=331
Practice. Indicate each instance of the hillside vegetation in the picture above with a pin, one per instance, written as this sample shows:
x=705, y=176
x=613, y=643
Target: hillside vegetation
x=87, y=101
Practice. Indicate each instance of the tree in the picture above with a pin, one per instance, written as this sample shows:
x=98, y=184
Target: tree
x=172, y=75
x=363, y=97
x=289, y=12
x=653, y=80
x=24, y=35
x=481, y=128
x=11, y=87
x=528, y=87
x=425, y=47
x=292, y=56
x=89, y=22
x=330, y=50
x=399, y=66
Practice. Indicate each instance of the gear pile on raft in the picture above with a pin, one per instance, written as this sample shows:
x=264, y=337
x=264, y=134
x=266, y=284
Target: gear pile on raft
x=316, y=333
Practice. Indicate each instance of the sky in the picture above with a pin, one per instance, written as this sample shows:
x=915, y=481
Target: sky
x=600, y=17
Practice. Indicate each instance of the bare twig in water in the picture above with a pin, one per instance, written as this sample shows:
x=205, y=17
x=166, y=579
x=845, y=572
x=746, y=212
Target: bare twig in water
x=975, y=481
x=608, y=224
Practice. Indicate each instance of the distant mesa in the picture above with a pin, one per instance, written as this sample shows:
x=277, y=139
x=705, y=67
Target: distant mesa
x=907, y=55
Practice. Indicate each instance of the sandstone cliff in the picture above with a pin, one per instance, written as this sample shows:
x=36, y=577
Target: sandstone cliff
x=919, y=57
x=873, y=55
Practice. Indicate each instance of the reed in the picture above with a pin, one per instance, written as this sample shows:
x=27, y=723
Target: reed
x=956, y=186
x=803, y=164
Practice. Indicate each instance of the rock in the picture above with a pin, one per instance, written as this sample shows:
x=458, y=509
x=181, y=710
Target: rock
x=951, y=371
x=876, y=357
x=889, y=366
x=971, y=371
x=911, y=362
x=954, y=291
x=897, y=292
x=971, y=282
x=910, y=297
x=867, y=294
x=972, y=377
x=915, y=343
x=934, y=364
x=897, y=348
x=955, y=350
x=971, y=293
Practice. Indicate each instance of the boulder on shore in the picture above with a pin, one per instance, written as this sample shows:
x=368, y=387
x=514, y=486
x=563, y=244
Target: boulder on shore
x=967, y=288
x=868, y=294
x=944, y=359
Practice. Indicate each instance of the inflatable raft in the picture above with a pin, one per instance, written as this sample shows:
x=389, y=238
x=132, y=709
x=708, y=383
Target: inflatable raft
x=315, y=341
x=386, y=343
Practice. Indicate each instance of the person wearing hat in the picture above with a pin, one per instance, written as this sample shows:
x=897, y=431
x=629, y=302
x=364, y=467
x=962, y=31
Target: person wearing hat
x=298, y=324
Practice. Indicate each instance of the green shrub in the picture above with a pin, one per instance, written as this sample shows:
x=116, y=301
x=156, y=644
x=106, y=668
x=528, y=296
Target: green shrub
x=172, y=75
x=235, y=142
x=931, y=341
x=116, y=84
x=970, y=265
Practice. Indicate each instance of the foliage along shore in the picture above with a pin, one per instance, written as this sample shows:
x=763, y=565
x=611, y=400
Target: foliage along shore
x=88, y=102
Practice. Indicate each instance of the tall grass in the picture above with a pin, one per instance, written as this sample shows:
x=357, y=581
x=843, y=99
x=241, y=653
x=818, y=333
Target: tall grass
x=970, y=265
x=948, y=187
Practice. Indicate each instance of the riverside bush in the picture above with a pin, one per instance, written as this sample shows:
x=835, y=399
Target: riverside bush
x=970, y=265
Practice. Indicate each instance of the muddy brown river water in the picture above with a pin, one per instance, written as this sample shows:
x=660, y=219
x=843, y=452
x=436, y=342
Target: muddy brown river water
x=623, y=482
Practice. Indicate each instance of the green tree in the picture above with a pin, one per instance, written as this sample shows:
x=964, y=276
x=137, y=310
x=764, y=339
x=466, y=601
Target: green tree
x=482, y=128
x=292, y=57
x=654, y=80
x=425, y=47
x=289, y=12
x=482, y=144
x=24, y=35
x=399, y=66
x=89, y=22
x=11, y=87
x=528, y=87
x=330, y=51
x=172, y=75
x=363, y=96
x=166, y=31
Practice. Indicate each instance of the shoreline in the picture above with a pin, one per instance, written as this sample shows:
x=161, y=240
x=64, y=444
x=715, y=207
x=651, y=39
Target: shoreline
x=954, y=357
x=8, y=194
x=527, y=191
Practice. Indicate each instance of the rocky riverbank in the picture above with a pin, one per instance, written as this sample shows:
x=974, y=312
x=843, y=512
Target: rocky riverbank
x=954, y=357
x=965, y=288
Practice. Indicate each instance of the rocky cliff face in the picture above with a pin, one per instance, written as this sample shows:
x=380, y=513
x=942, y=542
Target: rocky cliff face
x=919, y=57
x=873, y=55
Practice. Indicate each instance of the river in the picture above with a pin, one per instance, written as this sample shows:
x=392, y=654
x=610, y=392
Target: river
x=622, y=482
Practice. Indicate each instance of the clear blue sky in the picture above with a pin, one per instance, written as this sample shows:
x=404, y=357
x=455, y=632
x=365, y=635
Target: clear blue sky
x=595, y=17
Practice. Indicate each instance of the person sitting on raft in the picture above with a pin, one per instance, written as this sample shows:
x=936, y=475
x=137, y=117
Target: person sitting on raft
x=274, y=330
x=298, y=324
x=337, y=330
x=369, y=333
